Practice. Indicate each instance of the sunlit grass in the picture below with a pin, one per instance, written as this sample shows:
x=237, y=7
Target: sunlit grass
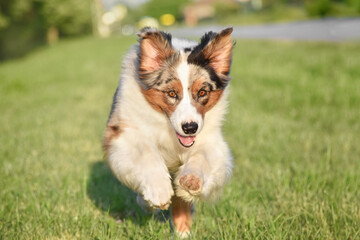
x=293, y=127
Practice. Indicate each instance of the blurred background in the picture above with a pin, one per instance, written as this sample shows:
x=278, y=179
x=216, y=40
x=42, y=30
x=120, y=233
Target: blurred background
x=27, y=24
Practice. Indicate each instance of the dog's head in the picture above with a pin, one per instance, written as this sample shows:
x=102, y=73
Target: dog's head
x=184, y=84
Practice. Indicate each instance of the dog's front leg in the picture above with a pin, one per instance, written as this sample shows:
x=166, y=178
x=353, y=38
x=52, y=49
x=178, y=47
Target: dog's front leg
x=204, y=174
x=191, y=177
x=137, y=164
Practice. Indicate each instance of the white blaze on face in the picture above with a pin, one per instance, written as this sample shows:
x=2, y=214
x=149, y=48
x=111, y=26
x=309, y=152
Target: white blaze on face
x=185, y=112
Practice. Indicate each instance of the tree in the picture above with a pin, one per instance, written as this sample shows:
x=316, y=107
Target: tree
x=28, y=23
x=70, y=17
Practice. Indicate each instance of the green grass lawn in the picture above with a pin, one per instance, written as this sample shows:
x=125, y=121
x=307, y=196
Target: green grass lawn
x=293, y=127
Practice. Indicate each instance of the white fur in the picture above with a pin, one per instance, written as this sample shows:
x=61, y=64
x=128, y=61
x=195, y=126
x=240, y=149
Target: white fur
x=147, y=156
x=185, y=111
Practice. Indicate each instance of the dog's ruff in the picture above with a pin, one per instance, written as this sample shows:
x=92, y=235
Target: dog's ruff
x=163, y=138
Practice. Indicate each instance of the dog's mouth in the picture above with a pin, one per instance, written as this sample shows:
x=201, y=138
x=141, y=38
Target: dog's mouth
x=186, y=141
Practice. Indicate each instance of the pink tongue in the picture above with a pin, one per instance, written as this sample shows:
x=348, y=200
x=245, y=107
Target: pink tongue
x=187, y=141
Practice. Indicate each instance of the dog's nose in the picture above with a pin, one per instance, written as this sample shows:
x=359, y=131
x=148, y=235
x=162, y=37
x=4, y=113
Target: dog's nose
x=190, y=128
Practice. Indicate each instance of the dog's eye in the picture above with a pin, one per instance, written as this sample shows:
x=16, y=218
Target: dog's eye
x=202, y=93
x=172, y=94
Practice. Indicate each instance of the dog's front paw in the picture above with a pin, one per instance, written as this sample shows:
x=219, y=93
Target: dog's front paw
x=158, y=194
x=145, y=205
x=192, y=183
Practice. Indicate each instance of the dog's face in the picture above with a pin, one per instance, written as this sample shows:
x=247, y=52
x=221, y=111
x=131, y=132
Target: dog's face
x=184, y=84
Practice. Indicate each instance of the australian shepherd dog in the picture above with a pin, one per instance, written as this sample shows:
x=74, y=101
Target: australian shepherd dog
x=163, y=138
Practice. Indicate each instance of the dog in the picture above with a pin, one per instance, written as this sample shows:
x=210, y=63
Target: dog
x=163, y=138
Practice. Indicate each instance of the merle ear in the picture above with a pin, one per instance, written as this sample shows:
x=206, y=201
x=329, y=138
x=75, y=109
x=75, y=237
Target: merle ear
x=219, y=52
x=155, y=48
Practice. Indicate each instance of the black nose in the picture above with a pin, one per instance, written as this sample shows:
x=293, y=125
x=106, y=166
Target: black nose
x=190, y=128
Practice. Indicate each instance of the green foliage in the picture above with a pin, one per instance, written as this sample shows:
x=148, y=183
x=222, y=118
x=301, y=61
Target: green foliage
x=288, y=10
x=24, y=23
x=71, y=17
x=318, y=7
x=354, y=4
x=14, y=11
x=21, y=29
x=276, y=13
x=270, y=3
x=222, y=9
x=134, y=15
x=293, y=128
x=3, y=21
x=322, y=8
x=156, y=8
x=19, y=8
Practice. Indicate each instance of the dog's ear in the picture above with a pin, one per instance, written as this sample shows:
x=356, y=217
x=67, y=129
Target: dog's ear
x=155, y=48
x=214, y=50
x=219, y=52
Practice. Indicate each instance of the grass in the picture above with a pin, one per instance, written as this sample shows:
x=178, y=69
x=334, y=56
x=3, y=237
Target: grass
x=293, y=127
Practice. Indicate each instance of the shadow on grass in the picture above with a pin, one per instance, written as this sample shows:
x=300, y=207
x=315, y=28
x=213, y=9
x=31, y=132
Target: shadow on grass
x=109, y=195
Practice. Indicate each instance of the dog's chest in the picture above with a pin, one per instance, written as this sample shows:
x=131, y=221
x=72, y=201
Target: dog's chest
x=173, y=155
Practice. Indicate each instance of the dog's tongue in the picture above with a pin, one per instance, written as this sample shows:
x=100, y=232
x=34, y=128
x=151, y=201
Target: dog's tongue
x=186, y=141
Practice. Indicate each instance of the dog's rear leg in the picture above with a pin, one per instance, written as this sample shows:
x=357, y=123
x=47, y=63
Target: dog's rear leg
x=182, y=216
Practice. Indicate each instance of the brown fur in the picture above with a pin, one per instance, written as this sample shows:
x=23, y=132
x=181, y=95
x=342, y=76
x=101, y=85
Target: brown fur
x=213, y=98
x=205, y=103
x=159, y=99
x=181, y=214
x=113, y=130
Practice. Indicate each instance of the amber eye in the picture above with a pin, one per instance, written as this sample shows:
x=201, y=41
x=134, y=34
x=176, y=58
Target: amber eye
x=202, y=93
x=172, y=94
